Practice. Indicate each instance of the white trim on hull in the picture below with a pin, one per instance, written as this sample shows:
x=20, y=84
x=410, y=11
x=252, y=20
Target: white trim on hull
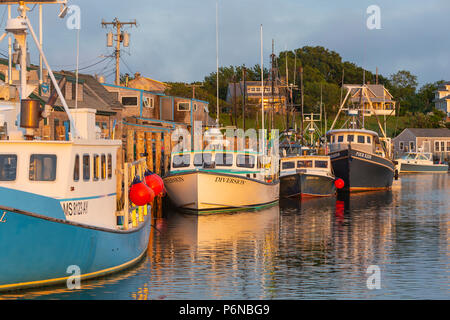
x=209, y=191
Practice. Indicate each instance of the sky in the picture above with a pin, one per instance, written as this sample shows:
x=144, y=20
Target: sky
x=175, y=40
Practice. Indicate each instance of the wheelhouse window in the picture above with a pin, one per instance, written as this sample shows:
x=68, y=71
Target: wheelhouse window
x=368, y=139
x=321, y=163
x=42, y=167
x=304, y=164
x=181, y=161
x=86, y=167
x=109, y=166
x=288, y=165
x=76, y=168
x=202, y=158
x=340, y=139
x=103, y=161
x=224, y=159
x=360, y=139
x=245, y=161
x=350, y=138
x=96, y=165
x=8, y=167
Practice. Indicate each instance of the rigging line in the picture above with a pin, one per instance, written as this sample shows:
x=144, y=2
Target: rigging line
x=129, y=69
x=73, y=65
x=94, y=64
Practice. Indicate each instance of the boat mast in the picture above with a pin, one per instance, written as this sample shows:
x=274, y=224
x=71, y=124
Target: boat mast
x=262, y=92
x=217, y=62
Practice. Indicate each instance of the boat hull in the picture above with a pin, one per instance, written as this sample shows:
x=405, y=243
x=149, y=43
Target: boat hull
x=41, y=250
x=362, y=171
x=207, y=192
x=307, y=185
x=421, y=168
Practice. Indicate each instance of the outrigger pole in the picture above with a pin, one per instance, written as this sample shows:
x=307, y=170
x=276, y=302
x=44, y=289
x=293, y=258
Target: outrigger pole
x=55, y=84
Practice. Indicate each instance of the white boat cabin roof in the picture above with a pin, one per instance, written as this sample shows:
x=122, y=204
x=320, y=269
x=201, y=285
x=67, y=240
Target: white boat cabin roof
x=215, y=159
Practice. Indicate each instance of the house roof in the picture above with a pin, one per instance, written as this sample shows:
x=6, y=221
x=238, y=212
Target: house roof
x=94, y=94
x=378, y=91
x=430, y=132
x=146, y=84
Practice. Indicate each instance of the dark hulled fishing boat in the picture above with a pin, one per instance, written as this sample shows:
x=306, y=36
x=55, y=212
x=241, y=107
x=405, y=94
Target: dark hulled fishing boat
x=358, y=159
x=359, y=156
x=309, y=175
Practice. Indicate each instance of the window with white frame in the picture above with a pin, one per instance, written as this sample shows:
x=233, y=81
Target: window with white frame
x=149, y=102
x=411, y=146
x=184, y=106
x=195, y=107
x=401, y=146
x=448, y=146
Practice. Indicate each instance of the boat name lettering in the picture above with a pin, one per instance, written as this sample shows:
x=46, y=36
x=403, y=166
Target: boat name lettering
x=2, y=219
x=363, y=155
x=229, y=180
x=75, y=208
x=174, y=179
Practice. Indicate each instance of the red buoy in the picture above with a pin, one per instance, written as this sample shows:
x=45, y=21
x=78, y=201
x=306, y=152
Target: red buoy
x=140, y=194
x=339, y=183
x=154, y=182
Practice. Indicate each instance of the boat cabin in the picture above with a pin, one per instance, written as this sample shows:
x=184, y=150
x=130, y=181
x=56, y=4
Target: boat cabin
x=303, y=164
x=240, y=162
x=359, y=139
x=418, y=156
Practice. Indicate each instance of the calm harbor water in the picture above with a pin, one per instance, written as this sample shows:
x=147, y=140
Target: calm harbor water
x=310, y=249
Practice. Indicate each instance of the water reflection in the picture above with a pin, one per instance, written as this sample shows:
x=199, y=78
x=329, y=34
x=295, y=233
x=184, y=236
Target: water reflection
x=316, y=248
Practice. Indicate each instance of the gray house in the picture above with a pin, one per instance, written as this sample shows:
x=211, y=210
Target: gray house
x=436, y=141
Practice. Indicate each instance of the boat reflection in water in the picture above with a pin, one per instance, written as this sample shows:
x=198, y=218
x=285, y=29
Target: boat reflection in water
x=320, y=248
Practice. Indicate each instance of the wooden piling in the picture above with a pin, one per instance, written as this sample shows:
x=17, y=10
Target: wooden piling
x=167, y=152
x=158, y=146
x=140, y=145
x=130, y=146
x=149, y=147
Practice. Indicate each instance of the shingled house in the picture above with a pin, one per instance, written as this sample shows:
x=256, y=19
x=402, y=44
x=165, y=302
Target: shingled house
x=382, y=100
x=91, y=94
x=252, y=90
x=436, y=141
x=442, y=98
x=139, y=101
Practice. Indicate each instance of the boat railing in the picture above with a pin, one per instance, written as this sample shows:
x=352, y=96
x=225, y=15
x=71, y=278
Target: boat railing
x=130, y=212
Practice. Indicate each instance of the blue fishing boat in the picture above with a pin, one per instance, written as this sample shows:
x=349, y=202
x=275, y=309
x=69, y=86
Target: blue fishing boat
x=59, y=211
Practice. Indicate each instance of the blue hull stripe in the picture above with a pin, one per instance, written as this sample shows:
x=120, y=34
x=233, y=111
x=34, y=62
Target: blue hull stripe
x=89, y=198
x=40, y=249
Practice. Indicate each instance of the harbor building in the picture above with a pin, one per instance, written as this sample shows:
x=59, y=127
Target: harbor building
x=434, y=140
x=139, y=101
x=87, y=92
x=252, y=90
x=382, y=100
x=442, y=98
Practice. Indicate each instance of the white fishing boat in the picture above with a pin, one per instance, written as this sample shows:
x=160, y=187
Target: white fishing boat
x=419, y=162
x=218, y=180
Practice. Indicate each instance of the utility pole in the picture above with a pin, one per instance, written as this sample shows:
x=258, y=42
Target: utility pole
x=193, y=86
x=120, y=37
